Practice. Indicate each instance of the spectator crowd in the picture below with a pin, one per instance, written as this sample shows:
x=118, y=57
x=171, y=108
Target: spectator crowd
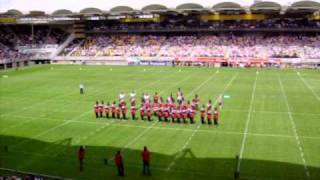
x=15, y=38
x=250, y=45
x=194, y=23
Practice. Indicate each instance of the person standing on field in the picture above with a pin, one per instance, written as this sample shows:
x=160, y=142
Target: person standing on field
x=119, y=163
x=81, y=155
x=97, y=109
x=146, y=161
x=81, y=88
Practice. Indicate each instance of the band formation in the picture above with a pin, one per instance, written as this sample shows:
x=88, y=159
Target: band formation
x=173, y=110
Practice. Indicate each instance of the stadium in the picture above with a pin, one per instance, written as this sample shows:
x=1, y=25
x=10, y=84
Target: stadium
x=160, y=90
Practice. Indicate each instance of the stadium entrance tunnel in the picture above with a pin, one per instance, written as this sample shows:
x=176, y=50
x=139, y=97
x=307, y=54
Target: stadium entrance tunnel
x=60, y=159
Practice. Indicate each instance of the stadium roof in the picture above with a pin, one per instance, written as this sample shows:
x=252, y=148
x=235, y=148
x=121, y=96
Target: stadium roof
x=265, y=5
x=91, y=10
x=258, y=7
x=121, y=9
x=189, y=6
x=304, y=6
x=62, y=12
x=227, y=6
x=14, y=12
x=155, y=8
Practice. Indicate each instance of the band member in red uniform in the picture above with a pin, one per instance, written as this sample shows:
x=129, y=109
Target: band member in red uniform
x=179, y=114
x=209, y=116
x=113, y=109
x=142, y=113
x=173, y=105
x=156, y=107
x=133, y=96
x=162, y=104
x=118, y=111
x=184, y=114
x=107, y=109
x=160, y=114
x=195, y=101
x=142, y=99
x=170, y=98
x=191, y=115
x=121, y=98
x=124, y=111
x=166, y=114
x=215, y=116
x=160, y=100
x=133, y=112
x=149, y=113
x=146, y=98
x=209, y=105
x=156, y=98
x=101, y=109
x=203, y=114
x=133, y=101
x=188, y=108
x=96, y=109
x=179, y=96
x=173, y=114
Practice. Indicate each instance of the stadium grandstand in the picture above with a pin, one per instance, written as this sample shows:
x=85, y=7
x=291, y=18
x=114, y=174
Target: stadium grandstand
x=226, y=32
x=199, y=90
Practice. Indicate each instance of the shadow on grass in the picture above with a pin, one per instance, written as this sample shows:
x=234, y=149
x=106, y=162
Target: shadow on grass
x=60, y=159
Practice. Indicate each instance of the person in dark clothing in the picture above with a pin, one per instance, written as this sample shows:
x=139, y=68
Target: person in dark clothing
x=146, y=161
x=81, y=155
x=97, y=109
x=119, y=163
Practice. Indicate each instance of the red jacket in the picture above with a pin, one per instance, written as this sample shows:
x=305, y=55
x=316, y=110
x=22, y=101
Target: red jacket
x=96, y=108
x=145, y=155
x=118, y=159
x=215, y=115
x=81, y=153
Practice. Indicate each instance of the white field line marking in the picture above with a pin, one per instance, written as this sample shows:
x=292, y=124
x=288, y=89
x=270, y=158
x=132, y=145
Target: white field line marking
x=178, y=155
x=169, y=128
x=38, y=104
x=293, y=124
x=53, y=128
x=95, y=131
x=245, y=133
x=49, y=130
x=83, y=138
x=271, y=112
x=309, y=87
x=99, y=93
x=100, y=128
x=57, y=96
x=202, y=84
x=148, y=128
x=16, y=125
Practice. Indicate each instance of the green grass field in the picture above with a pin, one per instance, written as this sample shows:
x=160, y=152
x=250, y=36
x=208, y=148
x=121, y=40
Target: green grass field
x=272, y=120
